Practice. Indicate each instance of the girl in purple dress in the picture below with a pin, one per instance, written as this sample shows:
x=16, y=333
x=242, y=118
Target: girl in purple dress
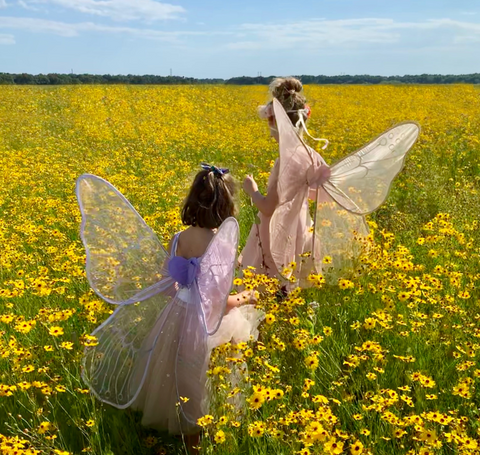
x=174, y=306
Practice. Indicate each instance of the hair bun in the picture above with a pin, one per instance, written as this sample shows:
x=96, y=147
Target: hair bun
x=288, y=91
x=285, y=86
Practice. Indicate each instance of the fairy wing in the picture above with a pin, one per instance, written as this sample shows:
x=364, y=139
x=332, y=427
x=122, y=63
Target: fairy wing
x=296, y=162
x=125, y=264
x=358, y=185
x=116, y=365
x=215, y=278
x=124, y=256
x=360, y=182
x=210, y=293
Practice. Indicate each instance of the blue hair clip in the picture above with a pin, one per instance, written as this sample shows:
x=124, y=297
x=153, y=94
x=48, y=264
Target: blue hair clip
x=218, y=171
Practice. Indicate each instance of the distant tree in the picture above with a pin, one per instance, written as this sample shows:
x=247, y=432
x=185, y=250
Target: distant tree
x=6, y=79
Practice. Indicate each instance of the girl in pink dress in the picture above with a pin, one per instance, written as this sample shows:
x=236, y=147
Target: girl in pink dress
x=258, y=251
x=352, y=188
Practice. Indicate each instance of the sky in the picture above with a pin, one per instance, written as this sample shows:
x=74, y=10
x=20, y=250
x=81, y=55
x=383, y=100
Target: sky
x=227, y=38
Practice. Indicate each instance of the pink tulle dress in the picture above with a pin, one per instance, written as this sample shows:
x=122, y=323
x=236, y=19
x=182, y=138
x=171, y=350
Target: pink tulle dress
x=257, y=251
x=344, y=194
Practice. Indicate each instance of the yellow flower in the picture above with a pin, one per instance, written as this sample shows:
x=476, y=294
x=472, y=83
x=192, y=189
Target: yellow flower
x=219, y=437
x=205, y=420
x=428, y=436
x=333, y=447
x=223, y=420
x=320, y=399
x=311, y=362
x=55, y=331
x=269, y=318
x=256, y=400
x=44, y=427
x=356, y=448
x=256, y=429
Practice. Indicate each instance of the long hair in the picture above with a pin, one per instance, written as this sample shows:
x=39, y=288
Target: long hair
x=210, y=201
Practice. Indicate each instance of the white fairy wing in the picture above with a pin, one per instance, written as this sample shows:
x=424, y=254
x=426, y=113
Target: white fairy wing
x=341, y=239
x=360, y=182
x=125, y=264
x=124, y=256
x=116, y=367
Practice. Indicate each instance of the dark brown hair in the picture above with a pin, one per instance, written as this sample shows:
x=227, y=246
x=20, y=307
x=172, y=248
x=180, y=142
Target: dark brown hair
x=288, y=91
x=210, y=201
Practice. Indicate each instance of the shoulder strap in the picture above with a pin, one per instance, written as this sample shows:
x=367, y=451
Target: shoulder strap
x=175, y=244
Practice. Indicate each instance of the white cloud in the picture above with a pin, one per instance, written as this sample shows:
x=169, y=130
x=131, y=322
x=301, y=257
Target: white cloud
x=120, y=10
x=27, y=6
x=3, y=4
x=65, y=29
x=322, y=33
x=7, y=39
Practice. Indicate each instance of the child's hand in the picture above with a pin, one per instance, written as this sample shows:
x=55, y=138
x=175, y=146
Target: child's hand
x=249, y=185
x=248, y=297
x=243, y=298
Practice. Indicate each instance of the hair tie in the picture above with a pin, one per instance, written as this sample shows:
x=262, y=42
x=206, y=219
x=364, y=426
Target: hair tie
x=217, y=171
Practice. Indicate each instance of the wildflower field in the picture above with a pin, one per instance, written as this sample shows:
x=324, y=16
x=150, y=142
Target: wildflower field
x=387, y=362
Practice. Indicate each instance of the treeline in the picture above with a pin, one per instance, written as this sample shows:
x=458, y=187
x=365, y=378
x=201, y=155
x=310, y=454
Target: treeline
x=366, y=79
x=63, y=79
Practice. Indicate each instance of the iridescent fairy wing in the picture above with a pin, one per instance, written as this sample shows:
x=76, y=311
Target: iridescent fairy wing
x=116, y=366
x=358, y=185
x=203, y=318
x=126, y=265
x=360, y=182
x=340, y=239
x=296, y=163
x=124, y=256
x=216, y=274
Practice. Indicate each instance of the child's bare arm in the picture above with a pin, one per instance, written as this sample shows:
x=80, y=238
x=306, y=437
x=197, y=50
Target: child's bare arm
x=266, y=204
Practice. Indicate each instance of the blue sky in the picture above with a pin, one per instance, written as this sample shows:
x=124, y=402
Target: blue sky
x=226, y=38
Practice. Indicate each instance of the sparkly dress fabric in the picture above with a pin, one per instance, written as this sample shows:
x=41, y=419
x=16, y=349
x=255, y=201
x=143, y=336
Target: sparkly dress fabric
x=158, y=397
x=155, y=347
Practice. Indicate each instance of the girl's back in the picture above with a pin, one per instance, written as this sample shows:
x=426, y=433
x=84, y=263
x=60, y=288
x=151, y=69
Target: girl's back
x=193, y=242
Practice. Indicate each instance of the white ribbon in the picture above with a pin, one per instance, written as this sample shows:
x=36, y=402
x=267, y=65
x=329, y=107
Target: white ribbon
x=301, y=122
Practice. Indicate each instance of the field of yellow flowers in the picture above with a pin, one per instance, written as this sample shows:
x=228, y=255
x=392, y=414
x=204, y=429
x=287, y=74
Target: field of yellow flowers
x=384, y=363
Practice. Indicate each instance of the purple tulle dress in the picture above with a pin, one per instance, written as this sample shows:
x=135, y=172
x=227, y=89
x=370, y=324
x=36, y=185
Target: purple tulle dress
x=153, y=351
